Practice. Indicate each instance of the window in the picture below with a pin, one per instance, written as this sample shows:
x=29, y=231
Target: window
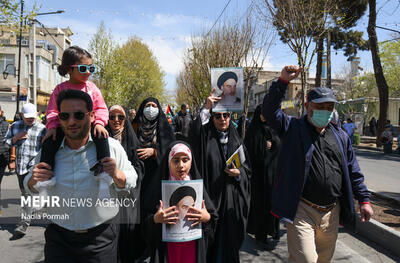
x=42, y=43
x=25, y=41
x=42, y=68
x=7, y=59
x=5, y=41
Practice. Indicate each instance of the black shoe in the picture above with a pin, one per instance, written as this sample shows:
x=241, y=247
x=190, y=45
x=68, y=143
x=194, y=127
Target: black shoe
x=21, y=229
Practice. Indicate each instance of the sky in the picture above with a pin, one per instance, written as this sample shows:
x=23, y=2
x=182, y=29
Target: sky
x=167, y=26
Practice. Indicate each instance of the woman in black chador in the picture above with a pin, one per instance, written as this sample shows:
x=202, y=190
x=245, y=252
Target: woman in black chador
x=215, y=139
x=177, y=164
x=130, y=244
x=154, y=134
x=262, y=144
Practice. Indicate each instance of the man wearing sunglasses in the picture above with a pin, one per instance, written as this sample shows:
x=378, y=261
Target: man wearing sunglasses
x=92, y=223
x=215, y=140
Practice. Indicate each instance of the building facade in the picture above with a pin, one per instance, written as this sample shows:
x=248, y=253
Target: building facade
x=293, y=94
x=41, y=53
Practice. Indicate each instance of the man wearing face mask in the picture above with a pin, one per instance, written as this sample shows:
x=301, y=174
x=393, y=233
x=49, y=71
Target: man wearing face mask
x=317, y=173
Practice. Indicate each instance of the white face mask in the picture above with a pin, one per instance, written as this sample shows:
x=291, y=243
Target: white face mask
x=150, y=113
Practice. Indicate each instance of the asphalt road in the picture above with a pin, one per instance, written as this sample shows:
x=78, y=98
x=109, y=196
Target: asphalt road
x=381, y=171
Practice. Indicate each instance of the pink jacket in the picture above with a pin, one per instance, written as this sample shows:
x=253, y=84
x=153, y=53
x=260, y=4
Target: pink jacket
x=99, y=106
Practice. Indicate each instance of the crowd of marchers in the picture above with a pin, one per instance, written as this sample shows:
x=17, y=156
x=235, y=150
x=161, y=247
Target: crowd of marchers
x=300, y=171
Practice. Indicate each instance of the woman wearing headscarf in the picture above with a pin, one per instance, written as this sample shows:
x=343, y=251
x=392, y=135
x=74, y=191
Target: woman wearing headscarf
x=262, y=144
x=130, y=246
x=177, y=165
x=154, y=134
x=214, y=140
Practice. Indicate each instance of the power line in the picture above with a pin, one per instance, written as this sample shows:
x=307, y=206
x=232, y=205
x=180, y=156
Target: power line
x=49, y=34
x=223, y=10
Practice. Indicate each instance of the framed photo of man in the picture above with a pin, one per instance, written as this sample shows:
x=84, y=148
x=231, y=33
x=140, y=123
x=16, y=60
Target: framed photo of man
x=229, y=85
x=183, y=195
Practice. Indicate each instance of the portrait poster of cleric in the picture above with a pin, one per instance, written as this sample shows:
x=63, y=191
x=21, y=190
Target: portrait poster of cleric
x=228, y=84
x=183, y=195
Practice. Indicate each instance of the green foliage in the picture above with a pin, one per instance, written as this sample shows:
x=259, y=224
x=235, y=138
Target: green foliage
x=350, y=41
x=127, y=74
x=390, y=59
x=345, y=16
x=365, y=86
x=10, y=14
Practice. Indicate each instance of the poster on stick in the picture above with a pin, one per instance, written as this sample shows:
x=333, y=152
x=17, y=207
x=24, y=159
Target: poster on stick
x=228, y=84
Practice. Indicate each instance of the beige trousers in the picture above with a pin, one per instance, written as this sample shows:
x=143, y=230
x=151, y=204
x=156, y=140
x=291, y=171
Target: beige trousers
x=312, y=236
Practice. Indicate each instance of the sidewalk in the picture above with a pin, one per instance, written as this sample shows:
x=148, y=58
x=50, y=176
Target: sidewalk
x=368, y=143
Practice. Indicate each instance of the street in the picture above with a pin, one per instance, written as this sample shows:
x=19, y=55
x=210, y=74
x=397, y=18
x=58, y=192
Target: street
x=382, y=172
x=350, y=247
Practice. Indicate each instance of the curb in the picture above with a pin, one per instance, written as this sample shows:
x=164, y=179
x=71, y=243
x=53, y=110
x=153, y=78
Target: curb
x=385, y=197
x=367, y=148
x=371, y=148
x=380, y=234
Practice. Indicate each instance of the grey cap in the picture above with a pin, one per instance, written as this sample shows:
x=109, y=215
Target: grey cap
x=320, y=95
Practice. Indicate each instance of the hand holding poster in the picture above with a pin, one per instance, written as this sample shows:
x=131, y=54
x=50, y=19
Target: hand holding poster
x=228, y=84
x=183, y=195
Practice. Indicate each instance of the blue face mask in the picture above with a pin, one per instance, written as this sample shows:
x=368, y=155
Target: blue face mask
x=321, y=118
x=187, y=110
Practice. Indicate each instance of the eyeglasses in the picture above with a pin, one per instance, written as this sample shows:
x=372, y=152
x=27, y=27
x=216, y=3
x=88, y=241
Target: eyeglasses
x=120, y=117
x=78, y=115
x=225, y=115
x=84, y=68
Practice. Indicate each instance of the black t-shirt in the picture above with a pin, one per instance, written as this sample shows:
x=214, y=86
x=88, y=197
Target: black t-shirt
x=324, y=182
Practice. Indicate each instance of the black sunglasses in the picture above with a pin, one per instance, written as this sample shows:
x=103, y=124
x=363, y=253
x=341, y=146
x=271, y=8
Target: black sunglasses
x=78, y=115
x=225, y=115
x=120, y=117
x=84, y=68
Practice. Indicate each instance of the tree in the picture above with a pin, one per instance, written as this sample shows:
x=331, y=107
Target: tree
x=10, y=16
x=344, y=16
x=101, y=47
x=390, y=57
x=298, y=23
x=127, y=74
x=383, y=88
x=230, y=44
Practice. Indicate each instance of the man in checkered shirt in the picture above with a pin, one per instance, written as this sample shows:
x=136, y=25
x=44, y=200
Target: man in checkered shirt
x=26, y=135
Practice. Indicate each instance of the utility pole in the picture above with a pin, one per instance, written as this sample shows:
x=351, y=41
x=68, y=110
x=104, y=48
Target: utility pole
x=328, y=61
x=32, y=63
x=19, y=54
x=32, y=55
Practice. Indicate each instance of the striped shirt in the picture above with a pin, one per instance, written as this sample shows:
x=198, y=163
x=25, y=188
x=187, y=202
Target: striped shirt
x=28, y=148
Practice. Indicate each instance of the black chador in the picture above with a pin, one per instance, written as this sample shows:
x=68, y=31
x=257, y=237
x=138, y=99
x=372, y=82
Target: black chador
x=263, y=161
x=230, y=195
x=153, y=232
x=156, y=134
x=130, y=245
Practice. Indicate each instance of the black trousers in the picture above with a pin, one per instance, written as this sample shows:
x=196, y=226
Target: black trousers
x=98, y=245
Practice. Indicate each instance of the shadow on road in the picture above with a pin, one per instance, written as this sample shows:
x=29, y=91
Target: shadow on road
x=377, y=155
